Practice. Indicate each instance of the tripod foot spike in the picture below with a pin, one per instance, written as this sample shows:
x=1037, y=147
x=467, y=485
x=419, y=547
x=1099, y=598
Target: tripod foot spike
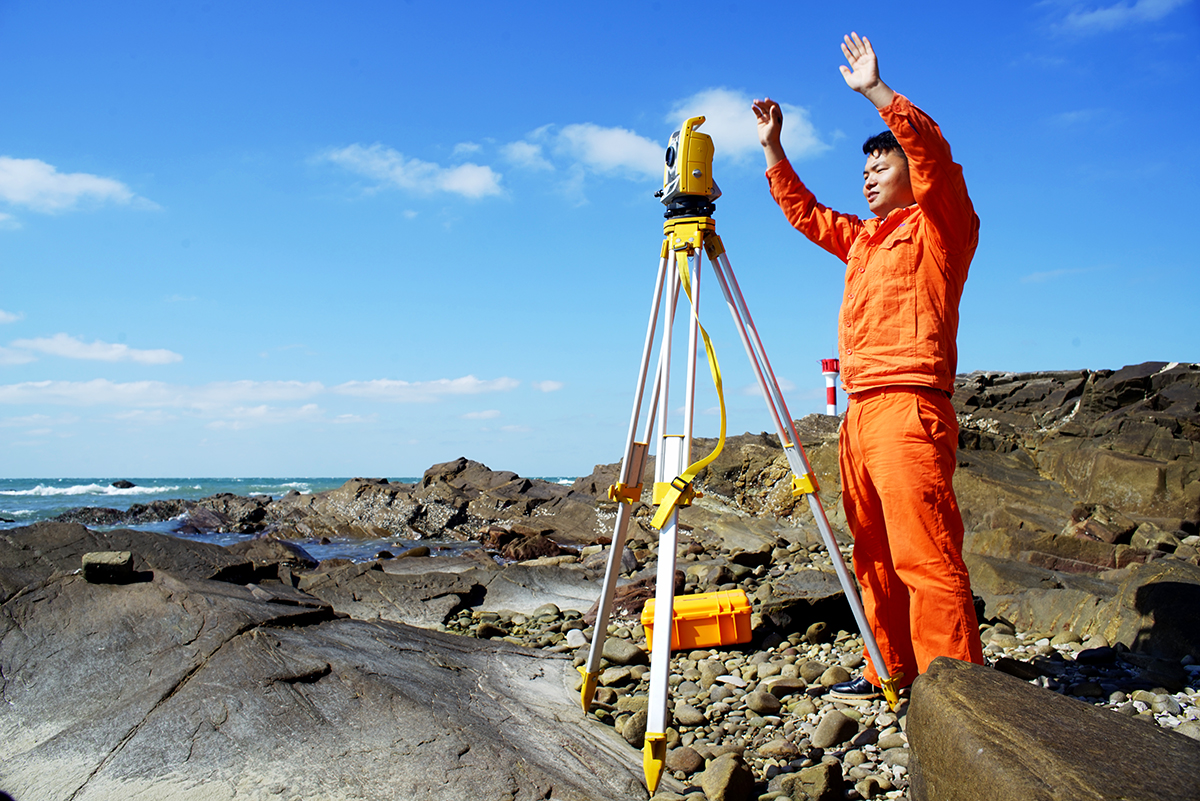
x=654, y=759
x=588, y=690
x=891, y=692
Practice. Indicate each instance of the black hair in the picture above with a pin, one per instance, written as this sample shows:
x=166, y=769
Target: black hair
x=884, y=143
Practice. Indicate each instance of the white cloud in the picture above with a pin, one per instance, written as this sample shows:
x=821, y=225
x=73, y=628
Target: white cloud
x=9, y=317
x=1119, y=15
x=391, y=167
x=41, y=187
x=729, y=120
x=547, y=386
x=527, y=155
x=71, y=348
x=143, y=417
x=244, y=417
x=90, y=393
x=40, y=420
x=608, y=150
x=156, y=394
x=221, y=393
x=488, y=414
x=354, y=419
x=466, y=149
x=384, y=389
x=10, y=356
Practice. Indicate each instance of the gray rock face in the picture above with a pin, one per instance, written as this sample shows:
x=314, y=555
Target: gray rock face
x=182, y=687
x=977, y=733
x=366, y=592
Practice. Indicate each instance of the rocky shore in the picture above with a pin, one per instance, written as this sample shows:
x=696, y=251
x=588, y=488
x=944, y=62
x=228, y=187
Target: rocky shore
x=140, y=665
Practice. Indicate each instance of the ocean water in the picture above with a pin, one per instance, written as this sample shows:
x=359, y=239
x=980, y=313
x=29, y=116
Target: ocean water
x=24, y=501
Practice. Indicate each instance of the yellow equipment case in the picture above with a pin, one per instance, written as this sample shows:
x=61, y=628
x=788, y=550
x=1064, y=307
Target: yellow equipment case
x=704, y=621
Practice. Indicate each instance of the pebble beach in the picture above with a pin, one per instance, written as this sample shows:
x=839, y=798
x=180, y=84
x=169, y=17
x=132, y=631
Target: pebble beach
x=769, y=704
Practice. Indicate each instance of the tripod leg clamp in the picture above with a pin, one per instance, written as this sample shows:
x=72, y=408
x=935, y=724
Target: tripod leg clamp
x=623, y=493
x=804, y=485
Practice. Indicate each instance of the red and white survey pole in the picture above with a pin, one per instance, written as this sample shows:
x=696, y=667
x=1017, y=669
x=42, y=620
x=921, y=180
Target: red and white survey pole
x=829, y=369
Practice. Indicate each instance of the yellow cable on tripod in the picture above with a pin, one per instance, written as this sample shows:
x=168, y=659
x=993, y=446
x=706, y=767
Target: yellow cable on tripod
x=681, y=486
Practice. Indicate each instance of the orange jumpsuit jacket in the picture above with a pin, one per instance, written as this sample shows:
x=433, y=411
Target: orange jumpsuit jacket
x=898, y=323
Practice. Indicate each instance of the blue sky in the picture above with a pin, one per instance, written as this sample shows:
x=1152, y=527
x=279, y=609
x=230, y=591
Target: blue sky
x=288, y=239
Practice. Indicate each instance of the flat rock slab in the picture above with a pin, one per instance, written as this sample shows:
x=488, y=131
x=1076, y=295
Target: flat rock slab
x=977, y=733
x=366, y=592
x=523, y=588
x=197, y=689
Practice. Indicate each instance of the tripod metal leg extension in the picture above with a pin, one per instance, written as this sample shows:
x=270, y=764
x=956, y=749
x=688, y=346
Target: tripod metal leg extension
x=684, y=238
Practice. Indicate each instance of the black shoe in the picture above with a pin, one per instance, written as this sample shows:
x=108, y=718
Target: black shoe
x=854, y=691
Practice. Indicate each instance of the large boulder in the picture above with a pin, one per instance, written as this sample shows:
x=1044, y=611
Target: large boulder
x=187, y=688
x=977, y=733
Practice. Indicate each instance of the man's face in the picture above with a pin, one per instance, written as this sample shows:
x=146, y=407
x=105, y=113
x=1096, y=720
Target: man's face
x=885, y=182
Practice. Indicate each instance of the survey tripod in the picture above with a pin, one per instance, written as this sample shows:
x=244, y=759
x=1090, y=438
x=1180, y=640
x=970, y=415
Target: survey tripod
x=690, y=231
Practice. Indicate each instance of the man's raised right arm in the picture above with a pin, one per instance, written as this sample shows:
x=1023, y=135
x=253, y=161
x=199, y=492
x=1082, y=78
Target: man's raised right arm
x=831, y=230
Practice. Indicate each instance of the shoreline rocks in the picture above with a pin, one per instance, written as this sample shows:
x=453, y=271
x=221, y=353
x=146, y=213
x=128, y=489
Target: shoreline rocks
x=1079, y=489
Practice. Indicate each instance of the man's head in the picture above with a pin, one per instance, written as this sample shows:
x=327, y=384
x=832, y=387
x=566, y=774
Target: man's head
x=886, y=184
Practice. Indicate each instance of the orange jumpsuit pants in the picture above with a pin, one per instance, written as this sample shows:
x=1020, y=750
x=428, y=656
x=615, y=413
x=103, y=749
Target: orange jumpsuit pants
x=897, y=456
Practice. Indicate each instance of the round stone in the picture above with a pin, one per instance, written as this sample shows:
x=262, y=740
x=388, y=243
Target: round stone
x=763, y=703
x=834, y=675
x=834, y=729
x=688, y=715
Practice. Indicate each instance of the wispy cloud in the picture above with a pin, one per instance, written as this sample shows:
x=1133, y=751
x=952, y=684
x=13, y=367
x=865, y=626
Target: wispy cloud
x=1118, y=15
x=1083, y=116
x=574, y=151
x=391, y=168
x=422, y=391
x=38, y=421
x=728, y=119
x=1050, y=275
x=68, y=347
x=39, y=186
x=547, y=386
x=156, y=394
x=9, y=356
x=527, y=155
x=149, y=394
x=487, y=414
x=244, y=417
x=9, y=317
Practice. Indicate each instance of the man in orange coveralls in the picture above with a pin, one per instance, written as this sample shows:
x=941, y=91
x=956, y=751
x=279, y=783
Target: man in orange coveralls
x=905, y=271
